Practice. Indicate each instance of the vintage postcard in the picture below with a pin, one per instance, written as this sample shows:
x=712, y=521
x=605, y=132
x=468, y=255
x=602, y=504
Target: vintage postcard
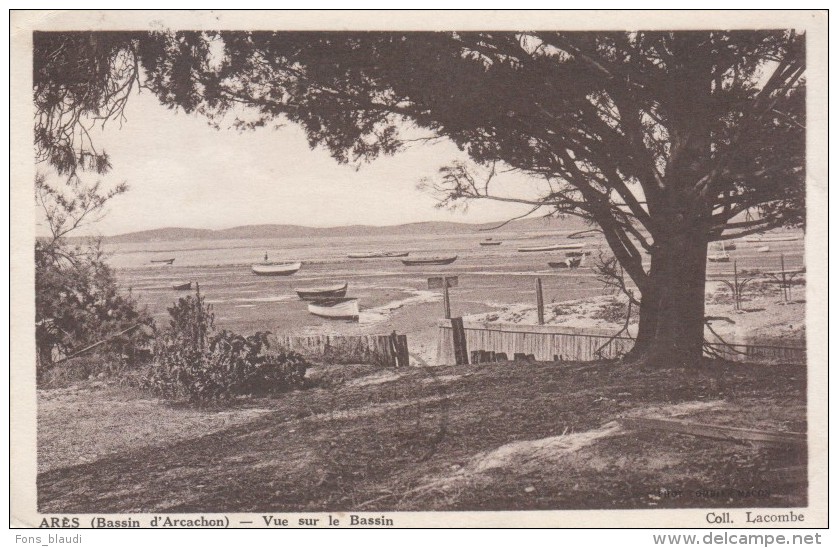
x=419, y=269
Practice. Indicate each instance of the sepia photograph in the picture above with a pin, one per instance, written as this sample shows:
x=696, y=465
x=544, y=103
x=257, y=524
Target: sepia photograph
x=444, y=269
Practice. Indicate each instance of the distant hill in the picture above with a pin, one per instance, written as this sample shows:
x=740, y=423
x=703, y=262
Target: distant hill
x=296, y=231
x=162, y=234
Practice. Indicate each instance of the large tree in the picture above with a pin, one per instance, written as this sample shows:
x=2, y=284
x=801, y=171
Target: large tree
x=666, y=140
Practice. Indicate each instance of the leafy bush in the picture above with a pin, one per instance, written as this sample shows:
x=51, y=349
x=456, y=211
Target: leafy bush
x=194, y=362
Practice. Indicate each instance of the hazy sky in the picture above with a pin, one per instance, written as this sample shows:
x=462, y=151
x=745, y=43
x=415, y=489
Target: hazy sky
x=183, y=173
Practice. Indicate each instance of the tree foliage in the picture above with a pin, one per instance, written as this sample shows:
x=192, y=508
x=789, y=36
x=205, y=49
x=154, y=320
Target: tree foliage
x=666, y=140
x=609, y=116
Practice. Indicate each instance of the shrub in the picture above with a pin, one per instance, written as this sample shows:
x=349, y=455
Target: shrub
x=78, y=303
x=615, y=312
x=564, y=310
x=194, y=362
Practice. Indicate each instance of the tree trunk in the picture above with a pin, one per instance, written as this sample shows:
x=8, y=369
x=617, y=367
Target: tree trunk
x=671, y=330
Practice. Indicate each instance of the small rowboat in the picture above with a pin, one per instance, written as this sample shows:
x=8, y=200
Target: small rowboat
x=767, y=239
x=335, y=309
x=429, y=261
x=276, y=269
x=320, y=293
x=163, y=261
x=568, y=263
x=557, y=247
x=590, y=233
x=719, y=258
x=182, y=287
x=490, y=242
x=378, y=254
x=763, y=249
x=577, y=253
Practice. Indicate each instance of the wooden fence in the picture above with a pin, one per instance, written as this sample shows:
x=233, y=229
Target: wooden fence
x=547, y=343
x=755, y=351
x=382, y=350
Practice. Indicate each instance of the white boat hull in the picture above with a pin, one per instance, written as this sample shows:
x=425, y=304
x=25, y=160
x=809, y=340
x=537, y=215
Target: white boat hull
x=281, y=269
x=335, y=309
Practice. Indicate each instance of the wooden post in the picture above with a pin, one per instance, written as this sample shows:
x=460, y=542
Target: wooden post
x=735, y=287
x=783, y=274
x=393, y=350
x=444, y=283
x=404, y=355
x=446, y=301
x=200, y=316
x=539, y=298
x=459, y=339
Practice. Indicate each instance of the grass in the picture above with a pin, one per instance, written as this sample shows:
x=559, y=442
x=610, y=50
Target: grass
x=499, y=436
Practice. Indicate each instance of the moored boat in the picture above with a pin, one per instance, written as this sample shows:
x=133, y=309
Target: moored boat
x=763, y=249
x=276, y=269
x=489, y=241
x=567, y=263
x=589, y=233
x=326, y=292
x=577, y=253
x=557, y=247
x=766, y=239
x=335, y=309
x=378, y=254
x=721, y=256
x=185, y=286
x=163, y=261
x=429, y=261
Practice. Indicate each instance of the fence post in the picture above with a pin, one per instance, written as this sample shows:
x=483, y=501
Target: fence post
x=459, y=339
x=200, y=318
x=392, y=350
x=446, y=301
x=786, y=289
x=404, y=355
x=539, y=297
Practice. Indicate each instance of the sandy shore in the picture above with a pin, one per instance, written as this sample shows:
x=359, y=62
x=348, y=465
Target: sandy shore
x=764, y=318
x=764, y=315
